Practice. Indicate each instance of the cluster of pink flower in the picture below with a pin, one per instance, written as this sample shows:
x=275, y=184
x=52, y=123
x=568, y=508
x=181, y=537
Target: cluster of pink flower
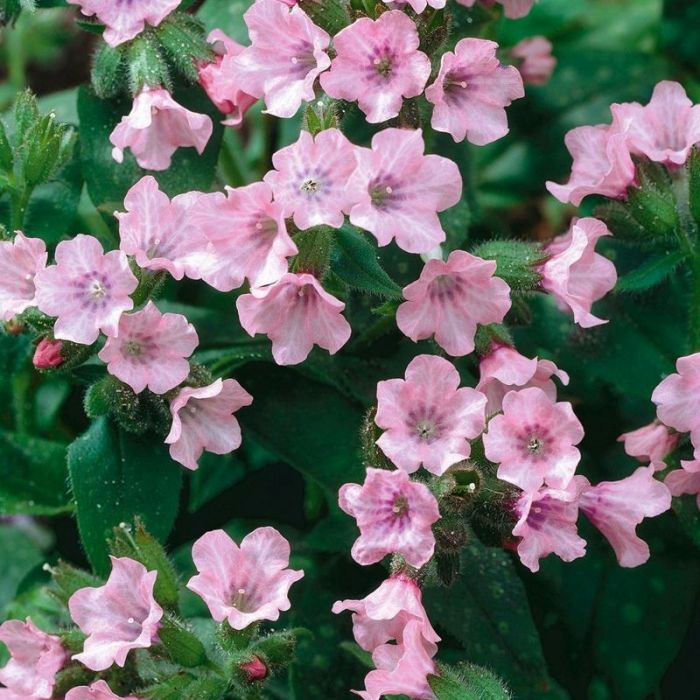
x=376, y=63
x=123, y=615
x=664, y=131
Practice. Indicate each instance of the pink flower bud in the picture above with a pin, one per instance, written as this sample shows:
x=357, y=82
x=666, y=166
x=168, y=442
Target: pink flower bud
x=255, y=669
x=48, y=354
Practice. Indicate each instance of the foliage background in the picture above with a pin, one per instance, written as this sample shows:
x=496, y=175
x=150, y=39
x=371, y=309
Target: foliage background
x=583, y=630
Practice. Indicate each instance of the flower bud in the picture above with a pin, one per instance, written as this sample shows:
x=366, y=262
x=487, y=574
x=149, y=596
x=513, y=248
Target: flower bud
x=255, y=669
x=48, y=354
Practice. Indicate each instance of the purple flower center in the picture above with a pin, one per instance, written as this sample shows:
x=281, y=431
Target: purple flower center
x=456, y=86
x=302, y=59
x=426, y=423
x=400, y=506
x=445, y=287
x=139, y=348
x=92, y=290
x=385, y=192
x=382, y=59
x=534, y=439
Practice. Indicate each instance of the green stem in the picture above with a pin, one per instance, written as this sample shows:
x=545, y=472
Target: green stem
x=21, y=385
x=18, y=203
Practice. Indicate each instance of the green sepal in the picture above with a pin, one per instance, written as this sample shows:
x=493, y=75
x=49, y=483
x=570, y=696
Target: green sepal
x=314, y=245
x=147, y=67
x=331, y=15
x=180, y=644
x=517, y=262
x=7, y=158
x=108, y=74
x=67, y=579
x=652, y=202
x=467, y=682
x=693, y=166
x=183, y=41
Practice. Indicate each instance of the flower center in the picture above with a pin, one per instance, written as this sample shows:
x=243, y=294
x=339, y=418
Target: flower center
x=535, y=445
x=426, y=429
x=400, y=507
x=97, y=290
x=310, y=186
x=132, y=348
x=383, y=66
x=535, y=439
x=239, y=600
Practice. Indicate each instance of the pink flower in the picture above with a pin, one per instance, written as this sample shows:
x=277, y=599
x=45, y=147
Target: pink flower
x=617, y=507
x=220, y=79
x=427, y=418
x=666, y=129
x=149, y=350
x=513, y=9
x=35, y=658
x=450, y=299
x=535, y=61
x=124, y=21
x=378, y=64
x=471, y=92
x=120, y=616
x=99, y=690
x=575, y=274
x=685, y=480
x=503, y=369
x=48, y=354
x=418, y=6
x=287, y=54
x=533, y=441
x=310, y=178
x=156, y=127
x=398, y=190
x=394, y=514
x=295, y=313
x=547, y=524
x=383, y=615
x=678, y=398
x=248, y=235
x=602, y=163
x=160, y=233
x=402, y=669
x=87, y=289
x=247, y=583
x=203, y=420
x=650, y=444
x=20, y=260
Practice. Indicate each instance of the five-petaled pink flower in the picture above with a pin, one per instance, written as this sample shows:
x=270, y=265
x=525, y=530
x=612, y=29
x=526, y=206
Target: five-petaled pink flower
x=287, y=54
x=399, y=191
x=401, y=669
x=35, y=658
x=685, y=480
x=120, y=616
x=247, y=583
x=99, y=690
x=650, y=444
x=203, y=420
x=666, y=129
x=534, y=59
x=295, y=313
x=602, y=163
x=503, y=369
x=248, y=235
x=547, y=524
x=87, y=289
x=220, y=79
x=575, y=274
x=394, y=514
x=20, y=260
x=428, y=420
x=533, y=440
x=449, y=300
x=156, y=127
x=617, y=507
x=418, y=6
x=125, y=20
x=161, y=234
x=378, y=64
x=310, y=178
x=677, y=398
x=149, y=350
x=471, y=92
x=382, y=616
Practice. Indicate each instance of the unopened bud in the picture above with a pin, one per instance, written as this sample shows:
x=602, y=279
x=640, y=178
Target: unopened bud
x=255, y=669
x=48, y=354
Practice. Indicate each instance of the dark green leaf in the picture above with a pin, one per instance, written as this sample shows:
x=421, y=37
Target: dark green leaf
x=354, y=260
x=18, y=556
x=32, y=476
x=116, y=476
x=651, y=273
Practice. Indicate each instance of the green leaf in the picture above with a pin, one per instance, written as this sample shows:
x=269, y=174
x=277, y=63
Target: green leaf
x=226, y=15
x=115, y=477
x=32, y=476
x=354, y=261
x=652, y=272
x=18, y=556
x=487, y=611
x=467, y=682
x=108, y=181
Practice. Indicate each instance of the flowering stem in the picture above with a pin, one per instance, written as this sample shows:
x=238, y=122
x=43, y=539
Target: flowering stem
x=18, y=204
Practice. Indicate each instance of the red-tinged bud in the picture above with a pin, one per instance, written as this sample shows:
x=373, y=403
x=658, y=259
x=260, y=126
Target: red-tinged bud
x=255, y=669
x=48, y=354
x=14, y=327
